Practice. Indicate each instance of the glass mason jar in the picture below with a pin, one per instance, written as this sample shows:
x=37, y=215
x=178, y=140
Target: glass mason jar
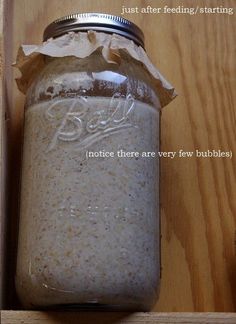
x=89, y=231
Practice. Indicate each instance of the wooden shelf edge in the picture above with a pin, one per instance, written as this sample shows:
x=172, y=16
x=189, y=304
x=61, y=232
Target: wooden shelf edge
x=30, y=317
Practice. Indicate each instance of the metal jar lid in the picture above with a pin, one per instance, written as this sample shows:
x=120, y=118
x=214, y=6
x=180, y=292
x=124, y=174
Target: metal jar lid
x=97, y=22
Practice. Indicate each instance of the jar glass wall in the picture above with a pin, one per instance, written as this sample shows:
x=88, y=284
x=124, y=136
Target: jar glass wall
x=89, y=227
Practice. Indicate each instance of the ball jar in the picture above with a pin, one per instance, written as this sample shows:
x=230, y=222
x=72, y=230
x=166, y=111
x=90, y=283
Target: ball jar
x=89, y=234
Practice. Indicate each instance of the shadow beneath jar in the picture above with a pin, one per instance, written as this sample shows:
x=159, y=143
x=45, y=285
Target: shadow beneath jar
x=82, y=317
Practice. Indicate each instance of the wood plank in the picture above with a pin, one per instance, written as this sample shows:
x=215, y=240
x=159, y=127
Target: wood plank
x=2, y=227
x=197, y=54
x=27, y=317
x=4, y=71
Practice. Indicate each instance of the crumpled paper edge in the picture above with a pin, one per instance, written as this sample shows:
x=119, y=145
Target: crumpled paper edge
x=30, y=58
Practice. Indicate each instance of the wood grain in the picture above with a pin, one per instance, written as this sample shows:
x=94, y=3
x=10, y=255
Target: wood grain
x=14, y=317
x=5, y=76
x=2, y=211
x=197, y=54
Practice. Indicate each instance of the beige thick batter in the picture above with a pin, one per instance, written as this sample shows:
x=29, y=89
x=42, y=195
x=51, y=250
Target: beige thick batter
x=89, y=226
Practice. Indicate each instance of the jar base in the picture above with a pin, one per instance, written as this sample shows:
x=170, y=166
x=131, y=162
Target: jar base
x=94, y=306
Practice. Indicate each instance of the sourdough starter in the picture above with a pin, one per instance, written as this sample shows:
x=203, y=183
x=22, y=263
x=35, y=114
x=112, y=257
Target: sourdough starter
x=89, y=226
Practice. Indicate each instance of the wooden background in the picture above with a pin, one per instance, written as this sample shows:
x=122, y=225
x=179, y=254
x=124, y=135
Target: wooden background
x=198, y=203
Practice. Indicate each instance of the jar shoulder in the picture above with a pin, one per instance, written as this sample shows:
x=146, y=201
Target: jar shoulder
x=91, y=76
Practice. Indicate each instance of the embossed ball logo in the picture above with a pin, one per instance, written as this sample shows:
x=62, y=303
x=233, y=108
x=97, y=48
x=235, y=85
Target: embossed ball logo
x=80, y=122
